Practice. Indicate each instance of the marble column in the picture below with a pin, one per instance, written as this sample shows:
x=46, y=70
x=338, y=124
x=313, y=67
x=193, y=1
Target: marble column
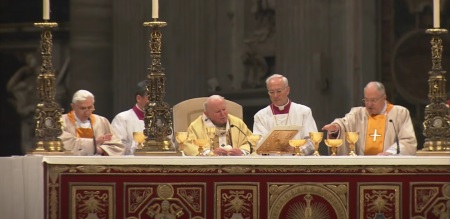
x=320, y=51
x=189, y=47
x=131, y=53
x=91, y=51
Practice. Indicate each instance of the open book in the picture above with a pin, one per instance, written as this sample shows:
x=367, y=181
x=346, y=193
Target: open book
x=277, y=141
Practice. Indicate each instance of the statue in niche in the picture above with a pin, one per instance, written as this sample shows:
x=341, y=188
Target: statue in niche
x=259, y=57
x=22, y=85
x=255, y=66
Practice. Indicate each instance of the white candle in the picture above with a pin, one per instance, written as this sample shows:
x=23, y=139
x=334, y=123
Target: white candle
x=436, y=13
x=154, y=8
x=46, y=10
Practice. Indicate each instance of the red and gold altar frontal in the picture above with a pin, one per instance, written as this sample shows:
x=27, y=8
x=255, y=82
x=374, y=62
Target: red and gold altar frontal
x=247, y=187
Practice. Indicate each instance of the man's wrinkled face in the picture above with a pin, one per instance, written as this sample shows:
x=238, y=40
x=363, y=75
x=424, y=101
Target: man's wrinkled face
x=374, y=100
x=217, y=112
x=83, y=109
x=278, y=91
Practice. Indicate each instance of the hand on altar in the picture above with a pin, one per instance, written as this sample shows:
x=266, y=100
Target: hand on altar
x=384, y=153
x=231, y=152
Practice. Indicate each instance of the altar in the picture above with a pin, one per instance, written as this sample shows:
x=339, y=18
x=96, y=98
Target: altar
x=247, y=187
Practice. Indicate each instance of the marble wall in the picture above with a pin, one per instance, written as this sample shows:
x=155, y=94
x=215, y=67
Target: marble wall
x=327, y=48
x=318, y=45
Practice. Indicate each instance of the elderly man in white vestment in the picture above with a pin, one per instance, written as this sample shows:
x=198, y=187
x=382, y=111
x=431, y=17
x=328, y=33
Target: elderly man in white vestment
x=132, y=120
x=378, y=123
x=231, y=132
x=85, y=133
x=283, y=112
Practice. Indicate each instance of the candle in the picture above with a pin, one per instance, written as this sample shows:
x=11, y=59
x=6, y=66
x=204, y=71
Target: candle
x=46, y=10
x=436, y=10
x=154, y=8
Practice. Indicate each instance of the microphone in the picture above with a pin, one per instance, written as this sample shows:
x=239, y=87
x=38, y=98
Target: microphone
x=251, y=146
x=93, y=137
x=396, y=136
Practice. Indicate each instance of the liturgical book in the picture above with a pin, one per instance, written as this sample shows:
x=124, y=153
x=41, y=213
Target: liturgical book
x=277, y=141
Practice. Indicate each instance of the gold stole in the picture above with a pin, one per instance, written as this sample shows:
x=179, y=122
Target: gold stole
x=81, y=132
x=216, y=140
x=376, y=128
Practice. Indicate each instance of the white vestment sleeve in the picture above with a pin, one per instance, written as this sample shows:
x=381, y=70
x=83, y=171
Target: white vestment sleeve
x=119, y=125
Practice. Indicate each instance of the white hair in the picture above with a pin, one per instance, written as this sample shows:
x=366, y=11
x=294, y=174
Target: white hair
x=82, y=95
x=285, y=80
x=378, y=85
x=210, y=99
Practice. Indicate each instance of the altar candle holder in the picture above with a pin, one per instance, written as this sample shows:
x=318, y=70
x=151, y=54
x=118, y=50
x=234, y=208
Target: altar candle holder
x=436, y=124
x=48, y=113
x=158, y=115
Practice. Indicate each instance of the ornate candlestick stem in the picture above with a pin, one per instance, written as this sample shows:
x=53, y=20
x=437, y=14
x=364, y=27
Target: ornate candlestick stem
x=158, y=114
x=48, y=112
x=436, y=124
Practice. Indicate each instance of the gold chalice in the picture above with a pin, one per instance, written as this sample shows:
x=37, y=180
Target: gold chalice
x=201, y=143
x=352, y=138
x=139, y=137
x=211, y=132
x=316, y=137
x=254, y=139
x=181, y=137
x=333, y=144
x=297, y=143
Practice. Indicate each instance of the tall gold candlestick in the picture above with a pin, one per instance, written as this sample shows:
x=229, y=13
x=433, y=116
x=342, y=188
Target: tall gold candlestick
x=158, y=114
x=48, y=112
x=436, y=124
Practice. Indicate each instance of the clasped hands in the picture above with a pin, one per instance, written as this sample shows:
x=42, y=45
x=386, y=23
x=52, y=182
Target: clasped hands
x=102, y=138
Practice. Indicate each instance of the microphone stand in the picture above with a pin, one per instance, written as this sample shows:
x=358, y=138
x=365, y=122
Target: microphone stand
x=251, y=146
x=396, y=136
x=93, y=137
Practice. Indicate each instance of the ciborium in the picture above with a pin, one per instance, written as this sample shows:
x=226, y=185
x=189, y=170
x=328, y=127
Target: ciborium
x=200, y=143
x=139, y=137
x=333, y=144
x=297, y=143
x=254, y=139
x=181, y=137
x=316, y=137
x=352, y=138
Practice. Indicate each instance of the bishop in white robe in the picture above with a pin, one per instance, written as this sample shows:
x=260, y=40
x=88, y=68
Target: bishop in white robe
x=289, y=114
x=383, y=128
x=357, y=121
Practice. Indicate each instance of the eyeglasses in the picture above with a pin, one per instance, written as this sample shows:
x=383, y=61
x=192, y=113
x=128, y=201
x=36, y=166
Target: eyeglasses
x=85, y=109
x=366, y=101
x=273, y=92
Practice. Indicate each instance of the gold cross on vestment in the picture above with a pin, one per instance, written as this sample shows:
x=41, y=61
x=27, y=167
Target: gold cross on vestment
x=375, y=135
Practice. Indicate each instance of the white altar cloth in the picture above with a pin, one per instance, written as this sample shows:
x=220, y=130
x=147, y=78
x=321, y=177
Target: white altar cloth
x=22, y=187
x=250, y=160
x=22, y=177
